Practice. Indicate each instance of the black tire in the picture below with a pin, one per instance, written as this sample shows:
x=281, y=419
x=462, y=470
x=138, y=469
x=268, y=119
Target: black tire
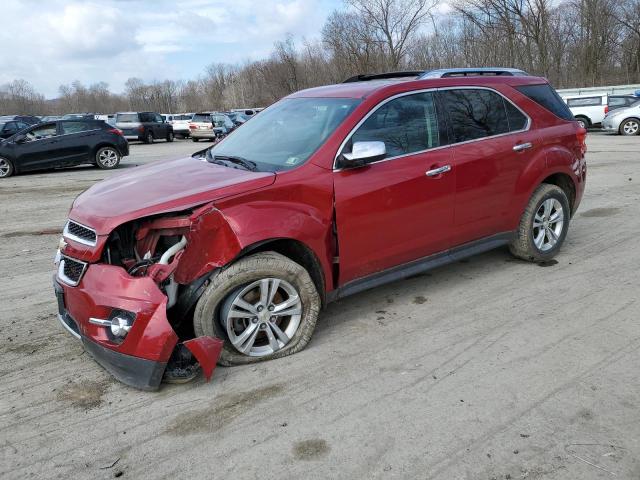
x=170, y=136
x=195, y=139
x=523, y=245
x=630, y=126
x=584, y=122
x=225, y=283
x=6, y=168
x=108, y=158
x=148, y=137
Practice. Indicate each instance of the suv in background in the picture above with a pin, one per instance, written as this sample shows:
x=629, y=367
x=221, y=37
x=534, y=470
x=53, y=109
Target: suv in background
x=64, y=143
x=8, y=128
x=326, y=193
x=210, y=126
x=179, y=122
x=144, y=126
x=590, y=110
x=621, y=101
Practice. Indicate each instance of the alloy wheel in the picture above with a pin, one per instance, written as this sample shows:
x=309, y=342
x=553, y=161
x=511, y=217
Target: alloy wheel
x=631, y=127
x=548, y=223
x=5, y=168
x=108, y=158
x=262, y=317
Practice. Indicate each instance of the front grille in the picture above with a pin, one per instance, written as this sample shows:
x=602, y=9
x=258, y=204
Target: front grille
x=70, y=271
x=80, y=233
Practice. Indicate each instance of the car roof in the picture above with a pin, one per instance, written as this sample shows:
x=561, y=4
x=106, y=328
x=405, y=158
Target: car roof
x=367, y=88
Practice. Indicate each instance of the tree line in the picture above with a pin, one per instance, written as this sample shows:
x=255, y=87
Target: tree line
x=574, y=43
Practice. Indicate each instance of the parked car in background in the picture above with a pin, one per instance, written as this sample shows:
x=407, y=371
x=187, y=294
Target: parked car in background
x=329, y=192
x=80, y=116
x=64, y=143
x=238, y=118
x=179, y=122
x=210, y=126
x=144, y=126
x=621, y=101
x=590, y=110
x=11, y=127
x=625, y=121
x=50, y=118
x=30, y=119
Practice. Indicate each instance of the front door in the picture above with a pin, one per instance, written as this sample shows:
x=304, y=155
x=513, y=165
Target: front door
x=398, y=209
x=38, y=148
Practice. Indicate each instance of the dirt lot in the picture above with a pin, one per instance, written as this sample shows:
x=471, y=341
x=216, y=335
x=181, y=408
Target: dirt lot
x=487, y=369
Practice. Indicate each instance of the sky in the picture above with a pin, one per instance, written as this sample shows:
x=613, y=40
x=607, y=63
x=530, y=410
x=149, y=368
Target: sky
x=54, y=42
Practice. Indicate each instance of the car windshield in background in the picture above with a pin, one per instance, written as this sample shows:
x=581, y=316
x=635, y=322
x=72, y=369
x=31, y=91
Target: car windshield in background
x=201, y=118
x=285, y=135
x=127, y=118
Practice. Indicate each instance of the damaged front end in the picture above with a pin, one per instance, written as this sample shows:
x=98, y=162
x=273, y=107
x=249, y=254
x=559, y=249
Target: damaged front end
x=130, y=296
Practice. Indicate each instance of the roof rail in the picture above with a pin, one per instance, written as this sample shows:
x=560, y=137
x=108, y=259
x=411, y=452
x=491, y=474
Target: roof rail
x=380, y=76
x=468, y=72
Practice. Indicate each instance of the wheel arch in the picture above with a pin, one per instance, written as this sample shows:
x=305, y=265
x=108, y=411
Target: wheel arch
x=295, y=250
x=566, y=183
x=100, y=145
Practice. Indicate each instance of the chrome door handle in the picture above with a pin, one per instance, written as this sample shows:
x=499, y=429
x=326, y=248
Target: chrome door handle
x=522, y=146
x=437, y=171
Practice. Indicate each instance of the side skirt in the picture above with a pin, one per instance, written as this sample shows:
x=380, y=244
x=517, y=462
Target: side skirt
x=421, y=265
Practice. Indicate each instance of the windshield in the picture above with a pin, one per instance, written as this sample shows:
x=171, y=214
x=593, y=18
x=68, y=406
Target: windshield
x=127, y=118
x=285, y=135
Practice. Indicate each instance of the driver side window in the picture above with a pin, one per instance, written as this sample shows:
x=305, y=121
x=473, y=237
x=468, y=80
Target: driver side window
x=40, y=133
x=406, y=125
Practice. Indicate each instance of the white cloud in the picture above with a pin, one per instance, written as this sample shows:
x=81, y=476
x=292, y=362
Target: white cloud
x=59, y=41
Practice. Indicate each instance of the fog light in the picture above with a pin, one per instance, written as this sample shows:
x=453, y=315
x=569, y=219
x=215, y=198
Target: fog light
x=120, y=326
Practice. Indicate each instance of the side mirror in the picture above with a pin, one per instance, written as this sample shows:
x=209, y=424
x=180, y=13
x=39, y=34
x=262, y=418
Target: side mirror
x=364, y=152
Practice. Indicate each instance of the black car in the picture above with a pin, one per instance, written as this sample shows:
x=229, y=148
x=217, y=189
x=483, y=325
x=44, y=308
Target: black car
x=144, y=126
x=64, y=143
x=9, y=128
x=28, y=119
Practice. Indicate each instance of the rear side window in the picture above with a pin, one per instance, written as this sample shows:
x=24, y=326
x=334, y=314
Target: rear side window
x=547, y=97
x=584, y=102
x=127, y=118
x=475, y=113
x=407, y=124
x=76, y=127
x=517, y=119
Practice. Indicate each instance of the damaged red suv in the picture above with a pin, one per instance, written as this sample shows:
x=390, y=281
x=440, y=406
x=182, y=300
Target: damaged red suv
x=228, y=256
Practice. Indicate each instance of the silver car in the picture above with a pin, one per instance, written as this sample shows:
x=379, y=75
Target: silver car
x=625, y=121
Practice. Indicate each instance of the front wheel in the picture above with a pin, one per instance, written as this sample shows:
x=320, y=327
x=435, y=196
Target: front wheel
x=6, y=168
x=543, y=226
x=630, y=127
x=264, y=306
x=107, y=158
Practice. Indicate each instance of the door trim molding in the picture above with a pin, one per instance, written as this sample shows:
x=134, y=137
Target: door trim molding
x=420, y=265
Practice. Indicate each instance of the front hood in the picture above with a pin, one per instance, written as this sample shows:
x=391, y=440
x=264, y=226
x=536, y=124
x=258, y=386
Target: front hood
x=159, y=187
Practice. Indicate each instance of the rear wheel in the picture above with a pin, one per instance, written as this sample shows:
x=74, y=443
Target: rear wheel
x=543, y=226
x=630, y=127
x=148, y=138
x=583, y=122
x=170, y=137
x=195, y=139
x=264, y=306
x=6, y=168
x=107, y=158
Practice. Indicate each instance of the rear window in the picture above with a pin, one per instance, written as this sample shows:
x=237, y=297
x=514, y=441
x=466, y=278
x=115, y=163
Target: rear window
x=547, y=97
x=201, y=118
x=584, y=101
x=127, y=118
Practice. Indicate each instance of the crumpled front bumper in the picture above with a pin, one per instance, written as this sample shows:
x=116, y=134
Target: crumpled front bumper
x=141, y=358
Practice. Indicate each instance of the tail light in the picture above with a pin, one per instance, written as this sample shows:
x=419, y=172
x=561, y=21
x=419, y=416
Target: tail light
x=192, y=126
x=606, y=109
x=581, y=135
x=117, y=131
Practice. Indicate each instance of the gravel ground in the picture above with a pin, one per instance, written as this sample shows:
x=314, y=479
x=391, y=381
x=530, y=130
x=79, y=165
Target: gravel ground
x=490, y=368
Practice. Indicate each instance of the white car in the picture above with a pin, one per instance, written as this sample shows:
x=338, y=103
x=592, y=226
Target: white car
x=179, y=121
x=588, y=111
x=625, y=121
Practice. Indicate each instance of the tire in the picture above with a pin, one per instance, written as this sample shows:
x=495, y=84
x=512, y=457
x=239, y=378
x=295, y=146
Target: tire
x=526, y=244
x=629, y=127
x=148, y=137
x=583, y=122
x=194, y=139
x=170, y=137
x=211, y=315
x=108, y=158
x=6, y=168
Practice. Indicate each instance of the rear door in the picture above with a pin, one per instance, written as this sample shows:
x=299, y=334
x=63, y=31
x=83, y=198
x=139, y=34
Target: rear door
x=493, y=145
x=390, y=211
x=40, y=147
x=77, y=138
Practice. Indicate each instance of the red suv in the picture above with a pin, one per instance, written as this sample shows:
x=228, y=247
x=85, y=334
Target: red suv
x=229, y=255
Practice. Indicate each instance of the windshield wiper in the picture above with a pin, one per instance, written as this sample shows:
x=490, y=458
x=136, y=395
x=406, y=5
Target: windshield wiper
x=248, y=164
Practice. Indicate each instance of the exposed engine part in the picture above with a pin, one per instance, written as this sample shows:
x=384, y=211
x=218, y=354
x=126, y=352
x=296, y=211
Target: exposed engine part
x=171, y=289
x=166, y=256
